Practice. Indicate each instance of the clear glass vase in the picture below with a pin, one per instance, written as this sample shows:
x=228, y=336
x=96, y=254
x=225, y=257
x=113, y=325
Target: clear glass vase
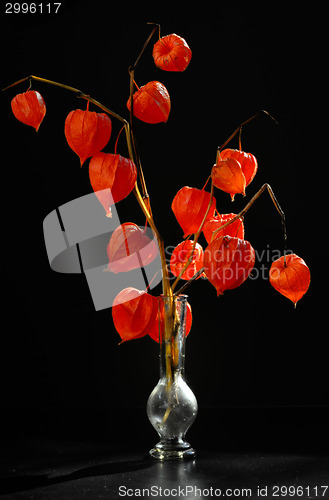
x=172, y=406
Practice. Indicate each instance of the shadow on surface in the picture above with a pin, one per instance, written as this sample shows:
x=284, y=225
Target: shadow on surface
x=228, y=469
x=27, y=482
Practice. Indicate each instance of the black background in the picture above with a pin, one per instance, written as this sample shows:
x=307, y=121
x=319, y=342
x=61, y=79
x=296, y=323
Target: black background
x=249, y=348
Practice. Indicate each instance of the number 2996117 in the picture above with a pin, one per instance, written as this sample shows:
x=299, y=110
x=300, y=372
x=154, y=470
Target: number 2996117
x=32, y=8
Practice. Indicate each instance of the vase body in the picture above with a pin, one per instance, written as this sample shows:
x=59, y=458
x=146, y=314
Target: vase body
x=172, y=406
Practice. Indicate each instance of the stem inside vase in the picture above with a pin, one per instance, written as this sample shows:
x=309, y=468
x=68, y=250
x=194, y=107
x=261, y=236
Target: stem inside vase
x=172, y=406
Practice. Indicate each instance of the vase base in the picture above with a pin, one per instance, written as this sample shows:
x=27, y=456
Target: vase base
x=161, y=454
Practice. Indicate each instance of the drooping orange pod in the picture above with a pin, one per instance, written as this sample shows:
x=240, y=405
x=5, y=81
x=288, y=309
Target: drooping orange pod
x=247, y=161
x=112, y=177
x=87, y=132
x=189, y=206
x=227, y=175
x=235, y=229
x=228, y=262
x=130, y=248
x=158, y=325
x=134, y=312
x=151, y=103
x=171, y=53
x=181, y=255
x=29, y=108
x=290, y=276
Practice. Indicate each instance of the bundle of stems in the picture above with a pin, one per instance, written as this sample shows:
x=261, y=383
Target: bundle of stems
x=143, y=199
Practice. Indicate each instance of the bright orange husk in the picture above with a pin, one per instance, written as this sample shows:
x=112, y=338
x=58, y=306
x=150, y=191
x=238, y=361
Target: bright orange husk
x=130, y=248
x=228, y=262
x=181, y=255
x=247, y=161
x=189, y=206
x=112, y=177
x=236, y=229
x=29, y=108
x=87, y=132
x=151, y=103
x=227, y=175
x=290, y=276
x=171, y=53
x=134, y=312
x=159, y=322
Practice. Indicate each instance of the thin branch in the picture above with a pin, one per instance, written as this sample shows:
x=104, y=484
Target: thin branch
x=238, y=216
x=129, y=135
x=238, y=130
x=250, y=203
x=133, y=139
x=132, y=133
x=155, y=27
x=72, y=89
x=196, y=237
x=165, y=276
x=187, y=283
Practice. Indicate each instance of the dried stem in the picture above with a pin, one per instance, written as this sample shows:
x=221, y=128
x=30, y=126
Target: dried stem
x=155, y=27
x=144, y=202
x=139, y=197
x=240, y=216
x=250, y=203
x=187, y=283
x=134, y=143
x=131, y=121
x=239, y=129
x=196, y=237
x=72, y=89
x=143, y=198
x=165, y=277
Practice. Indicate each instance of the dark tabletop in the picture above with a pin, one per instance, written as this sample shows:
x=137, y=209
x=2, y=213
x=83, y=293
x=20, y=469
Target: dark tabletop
x=65, y=470
x=253, y=454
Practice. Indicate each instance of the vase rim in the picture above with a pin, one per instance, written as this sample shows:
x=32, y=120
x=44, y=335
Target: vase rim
x=182, y=296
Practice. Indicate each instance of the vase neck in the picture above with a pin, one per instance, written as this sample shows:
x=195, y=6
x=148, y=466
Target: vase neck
x=172, y=337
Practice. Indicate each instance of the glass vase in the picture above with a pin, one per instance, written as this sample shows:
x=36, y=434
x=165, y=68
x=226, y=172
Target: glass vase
x=172, y=406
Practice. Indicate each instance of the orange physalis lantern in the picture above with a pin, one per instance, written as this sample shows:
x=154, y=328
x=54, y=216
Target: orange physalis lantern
x=227, y=175
x=235, y=229
x=87, y=132
x=171, y=53
x=228, y=262
x=130, y=248
x=181, y=255
x=134, y=312
x=112, y=177
x=29, y=108
x=290, y=276
x=159, y=322
x=151, y=103
x=190, y=206
x=247, y=161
